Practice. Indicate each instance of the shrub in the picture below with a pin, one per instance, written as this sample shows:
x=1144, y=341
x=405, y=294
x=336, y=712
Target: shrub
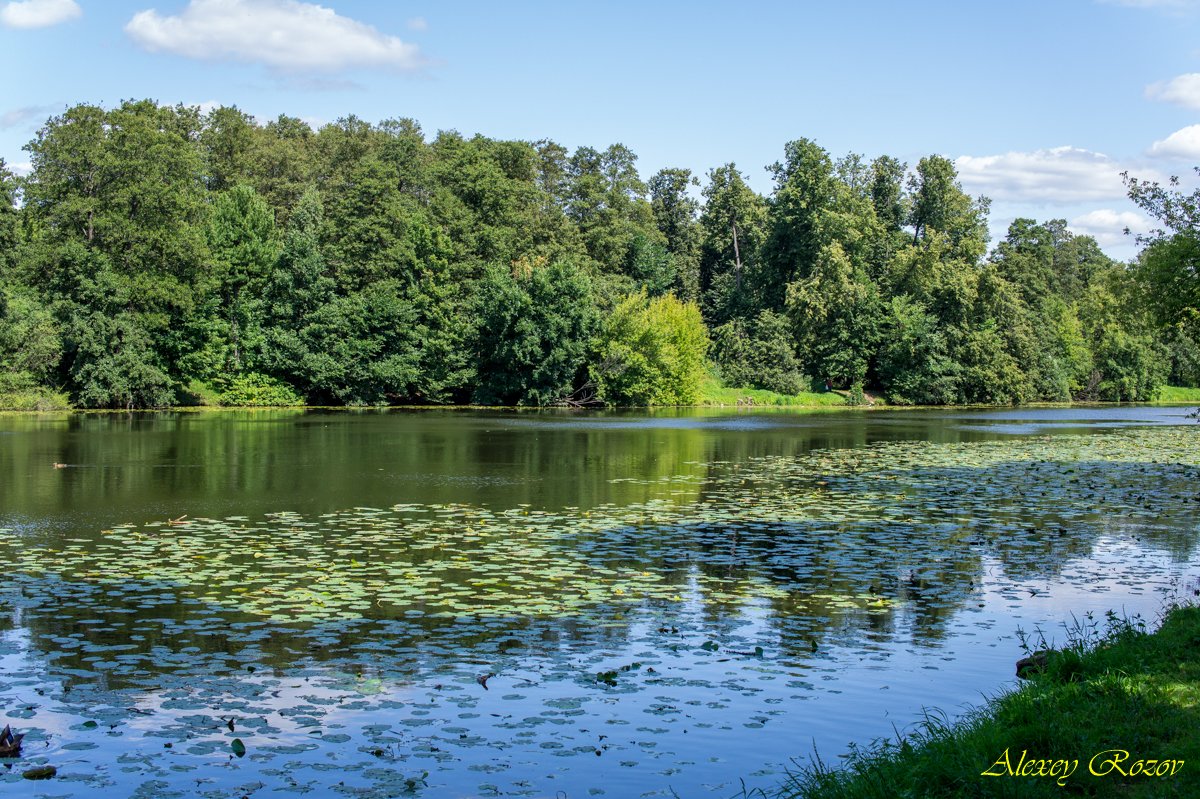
x=759, y=354
x=258, y=390
x=651, y=352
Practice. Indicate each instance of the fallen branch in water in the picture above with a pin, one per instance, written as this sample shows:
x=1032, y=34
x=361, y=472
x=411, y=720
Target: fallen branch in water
x=10, y=744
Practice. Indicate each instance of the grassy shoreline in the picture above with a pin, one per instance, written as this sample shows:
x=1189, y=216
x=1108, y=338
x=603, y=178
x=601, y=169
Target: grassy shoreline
x=1104, y=702
x=712, y=395
x=1177, y=395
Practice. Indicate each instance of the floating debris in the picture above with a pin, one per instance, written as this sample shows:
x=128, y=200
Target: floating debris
x=39, y=773
x=10, y=744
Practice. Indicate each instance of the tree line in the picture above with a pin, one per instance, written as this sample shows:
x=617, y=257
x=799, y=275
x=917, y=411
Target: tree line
x=157, y=255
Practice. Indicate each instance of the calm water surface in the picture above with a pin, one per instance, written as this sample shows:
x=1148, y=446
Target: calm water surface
x=454, y=604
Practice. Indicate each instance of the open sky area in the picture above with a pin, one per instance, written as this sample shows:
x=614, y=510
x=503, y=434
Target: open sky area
x=1041, y=104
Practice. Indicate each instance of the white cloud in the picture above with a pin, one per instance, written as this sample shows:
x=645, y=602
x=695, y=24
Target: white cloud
x=18, y=117
x=1182, y=144
x=418, y=24
x=284, y=34
x=21, y=169
x=1108, y=227
x=1058, y=176
x=208, y=106
x=308, y=83
x=38, y=13
x=1183, y=90
x=1169, y=5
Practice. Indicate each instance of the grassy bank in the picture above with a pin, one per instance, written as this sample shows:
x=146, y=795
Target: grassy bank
x=1178, y=394
x=1121, y=689
x=714, y=394
x=34, y=399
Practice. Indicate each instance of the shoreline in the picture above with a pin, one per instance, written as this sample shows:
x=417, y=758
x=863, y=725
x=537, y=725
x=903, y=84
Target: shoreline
x=1112, y=713
x=708, y=405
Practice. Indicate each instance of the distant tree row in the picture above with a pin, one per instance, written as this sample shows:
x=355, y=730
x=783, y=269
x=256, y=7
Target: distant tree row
x=156, y=255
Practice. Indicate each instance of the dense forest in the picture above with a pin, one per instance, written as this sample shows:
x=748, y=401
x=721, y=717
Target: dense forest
x=159, y=255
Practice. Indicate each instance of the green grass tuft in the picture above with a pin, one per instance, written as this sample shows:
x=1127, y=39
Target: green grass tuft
x=714, y=394
x=1179, y=394
x=1120, y=689
x=34, y=399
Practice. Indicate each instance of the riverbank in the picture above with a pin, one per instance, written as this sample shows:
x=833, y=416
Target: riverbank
x=34, y=399
x=712, y=395
x=1114, y=713
x=1178, y=394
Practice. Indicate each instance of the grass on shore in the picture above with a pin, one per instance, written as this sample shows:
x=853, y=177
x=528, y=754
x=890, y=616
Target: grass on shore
x=1121, y=689
x=34, y=399
x=1178, y=394
x=714, y=394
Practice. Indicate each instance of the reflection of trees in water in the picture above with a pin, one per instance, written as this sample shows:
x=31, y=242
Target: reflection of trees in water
x=251, y=462
x=79, y=621
x=1036, y=517
x=839, y=577
x=87, y=627
x=247, y=462
x=834, y=541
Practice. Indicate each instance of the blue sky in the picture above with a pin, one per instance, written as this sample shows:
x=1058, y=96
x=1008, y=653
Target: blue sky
x=1041, y=104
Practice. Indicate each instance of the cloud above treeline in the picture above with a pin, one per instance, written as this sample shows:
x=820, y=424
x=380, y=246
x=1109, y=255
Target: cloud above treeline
x=285, y=35
x=1183, y=90
x=1166, y=5
x=1059, y=175
x=1183, y=144
x=18, y=117
x=1083, y=186
x=38, y=13
x=1108, y=227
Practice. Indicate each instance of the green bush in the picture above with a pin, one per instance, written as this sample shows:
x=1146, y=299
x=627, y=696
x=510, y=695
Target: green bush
x=34, y=399
x=651, y=352
x=533, y=333
x=258, y=390
x=759, y=354
x=1128, y=368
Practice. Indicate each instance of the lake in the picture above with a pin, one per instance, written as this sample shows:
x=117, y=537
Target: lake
x=464, y=603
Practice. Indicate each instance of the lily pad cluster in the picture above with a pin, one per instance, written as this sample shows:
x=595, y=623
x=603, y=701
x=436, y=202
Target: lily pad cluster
x=379, y=651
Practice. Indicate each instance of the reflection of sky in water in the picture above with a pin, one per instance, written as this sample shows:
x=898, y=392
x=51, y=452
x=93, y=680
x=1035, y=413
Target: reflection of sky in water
x=700, y=723
x=1018, y=421
x=1032, y=421
x=1034, y=428
x=652, y=423
x=971, y=541
x=1111, y=417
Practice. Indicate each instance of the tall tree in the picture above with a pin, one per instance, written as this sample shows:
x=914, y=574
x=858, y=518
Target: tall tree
x=228, y=139
x=887, y=192
x=118, y=202
x=732, y=228
x=607, y=201
x=806, y=188
x=244, y=246
x=838, y=315
x=675, y=215
x=298, y=287
x=940, y=205
x=284, y=163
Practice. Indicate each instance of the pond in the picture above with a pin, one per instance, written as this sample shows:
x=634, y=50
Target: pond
x=453, y=603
